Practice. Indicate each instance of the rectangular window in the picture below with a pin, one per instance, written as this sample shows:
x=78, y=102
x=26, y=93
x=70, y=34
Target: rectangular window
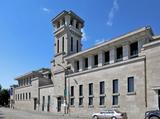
x=119, y=53
x=102, y=100
x=62, y=44
x=102, y=87
x=106, y=57
x=77, y=65
x=130, y=84
x=80, y=90
x=90, y=101
x=81, y=101
x=91, y=89
x=72, y=90
x=95, y=60
x=72, y=101
x=57, y=46
x=115, y=86
x=23, y=96
x=77, y=46
x=134, y=49
x=26, y=96
x=71, y=43
x=86, y=63
x=115, y=100
x=29, y=95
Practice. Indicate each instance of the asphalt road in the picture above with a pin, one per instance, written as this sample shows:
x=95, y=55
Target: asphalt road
x=6, y=113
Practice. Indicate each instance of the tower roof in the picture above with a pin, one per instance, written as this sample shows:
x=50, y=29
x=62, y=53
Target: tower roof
x=63, y=13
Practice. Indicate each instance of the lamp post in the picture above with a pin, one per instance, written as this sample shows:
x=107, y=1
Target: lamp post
x=65, y=88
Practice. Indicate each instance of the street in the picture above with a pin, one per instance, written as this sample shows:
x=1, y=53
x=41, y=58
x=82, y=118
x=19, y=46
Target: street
x=6, y=113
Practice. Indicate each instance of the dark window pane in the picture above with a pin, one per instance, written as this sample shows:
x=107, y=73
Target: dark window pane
x=102, y=100
x=71, y=43
x=72, y=90
x=130, y=84
x=77, y=65
x=119, y=53
x=106, y=56
x=62, y=44
x=115, y=86
x=80, y=90
x=86, y=62
x=80, y=101
x=96, y=60
x=57, y=46
x=102, y=87
x=134, y=49
x=91, y=89
x=115, y=100
x=72, y=101
x=90, y=101
x=77, y=46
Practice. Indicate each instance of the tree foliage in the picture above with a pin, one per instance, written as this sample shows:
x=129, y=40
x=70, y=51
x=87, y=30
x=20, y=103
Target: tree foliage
x=4, y=96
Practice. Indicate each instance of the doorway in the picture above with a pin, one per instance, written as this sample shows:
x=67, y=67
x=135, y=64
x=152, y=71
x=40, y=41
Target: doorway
x=58, y=104
x=159, y=99
x=35, y=103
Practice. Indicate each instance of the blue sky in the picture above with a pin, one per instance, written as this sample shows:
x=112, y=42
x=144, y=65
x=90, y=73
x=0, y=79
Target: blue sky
x=26, y=33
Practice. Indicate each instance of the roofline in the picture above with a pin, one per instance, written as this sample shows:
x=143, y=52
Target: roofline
x=66, y=12
x=111, y=41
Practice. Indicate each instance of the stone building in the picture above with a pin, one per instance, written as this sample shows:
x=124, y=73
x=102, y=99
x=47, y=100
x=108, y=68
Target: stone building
x=121, y=73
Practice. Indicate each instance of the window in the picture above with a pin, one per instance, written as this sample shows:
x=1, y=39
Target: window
x=26, y=96
x=90, y=94
x=71, y=22
x=57, y=46
x=29, y=95
x=72, y=101
x=72, y=95
x=58, y=24
x=90, y=101
x=80, y=90
x=20, y=96
x=119, y=53
x=77, y=46
x=96, y=60
x=115, y=100
x=77, y=65
x=71, y=43
x=91, y=89
x=102, y=87
x=134, y=49
x=81, y=101
x=106, y=57
x=130, y=84
x=86, y=63
x=115, y=86
x=62, y=44
x=102, y=100
x=77, y=25
x=43, y=102
x=72, y=90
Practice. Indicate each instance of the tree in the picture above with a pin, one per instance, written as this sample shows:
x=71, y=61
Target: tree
x=4, y=97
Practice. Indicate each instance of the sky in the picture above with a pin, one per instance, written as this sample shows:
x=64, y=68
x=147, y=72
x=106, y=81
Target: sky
x=26, y=32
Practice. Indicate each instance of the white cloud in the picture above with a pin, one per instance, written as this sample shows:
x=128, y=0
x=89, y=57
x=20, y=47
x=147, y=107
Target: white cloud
x=84, y=37
x=111, y=14
x=99, y=41
x=46, y=9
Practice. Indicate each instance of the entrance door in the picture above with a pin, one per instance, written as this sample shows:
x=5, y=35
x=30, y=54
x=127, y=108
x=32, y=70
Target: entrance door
x=58, y=104
x=35, y=103
x=159, y=99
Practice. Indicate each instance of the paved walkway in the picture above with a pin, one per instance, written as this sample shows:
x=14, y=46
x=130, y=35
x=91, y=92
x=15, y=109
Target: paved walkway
x=6, y=113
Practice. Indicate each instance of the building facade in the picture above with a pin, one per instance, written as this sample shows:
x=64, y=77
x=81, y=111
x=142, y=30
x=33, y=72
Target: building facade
x=122, y=73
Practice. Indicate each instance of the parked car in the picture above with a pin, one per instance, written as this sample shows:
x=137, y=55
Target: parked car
x=110, y=114
x=153, y=114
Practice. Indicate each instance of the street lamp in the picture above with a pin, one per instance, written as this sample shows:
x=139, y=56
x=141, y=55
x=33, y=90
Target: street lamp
x=65, y=88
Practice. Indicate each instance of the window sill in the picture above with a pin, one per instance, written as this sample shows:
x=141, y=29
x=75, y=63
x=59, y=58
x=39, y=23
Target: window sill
x=102, y=106
x=90, y=106
x=102, y=95
x=133, y=56
x=116, y=94
x=81, y=96
x=81, y=106
x=118, y=60
x=91, y=96
x=131, y=93
x=72, y=97
x=72, y=106
x=115, y=106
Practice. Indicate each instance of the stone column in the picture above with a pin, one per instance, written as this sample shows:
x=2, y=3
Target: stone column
x=74, y=22
x=126, y=51
x=81, y=64
x=112, y=55
x=140, y=45
x=79, y=26
x=61, y=22
x=67, y=20
x=100, y=58
x=90, y=62
x=73, y=66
